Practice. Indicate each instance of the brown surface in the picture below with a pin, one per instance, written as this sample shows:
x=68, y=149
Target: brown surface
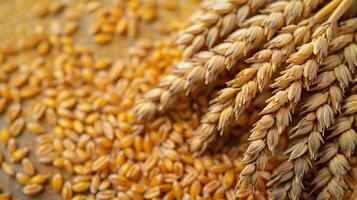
x=16, y=16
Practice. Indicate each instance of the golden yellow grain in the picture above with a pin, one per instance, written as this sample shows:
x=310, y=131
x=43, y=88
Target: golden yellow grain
x=28, y=166
x=38, y=111
x=5, y=135
x=195, y=188
x=22, y=178
x=8, y=169
x=101, y=163
x=35, y=127
x=32, y=189
x=67, y=190
x=177, y=190
x=14, y=112
x=81, y=186
x=18, y=155
x=38, y=179
x=70, y=27
x=43, y=48
x=57, y=182
x=17, y=126
x=102, y=38
x=12, y=145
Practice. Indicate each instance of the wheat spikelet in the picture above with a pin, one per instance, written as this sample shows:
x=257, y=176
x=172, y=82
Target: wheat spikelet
x=217, y=22
x=206, y=65
x=307, y=135
x=336, y=153
x=277, y=114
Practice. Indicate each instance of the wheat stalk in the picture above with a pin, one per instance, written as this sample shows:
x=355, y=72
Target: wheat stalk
x=277, y=114
x=335, y=154
x=217, y=22
x=307, y=135
x=206, y=65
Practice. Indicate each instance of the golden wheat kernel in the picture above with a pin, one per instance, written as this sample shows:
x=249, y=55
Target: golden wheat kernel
x=29, y=91
x=32, y=189
x=80, y=187
x=43, y=48
x=12, y=145
x=108, y=28
x=238, y=164
x=5, y=92
x=68, y=166
x=18, y=155
x=91, y=118
x=195, y=188
x=177, y=189
x=58, y=162
x=38, y=110
x=102, y=38
x=70, y=27
x=22, y=178
x=59, y=132
x=5, y=135
x=78, y=126
x=8, y=169
x=17, y=126
x=105, y=184
x=121, y=26
x=101, y=163
x=49, y=102
x=67, y=190
x=229, y=178
x=35, y=127
x=138, y=188
x=28, y=166
x=14, y=112
x=38, y=179
x=9, y=67
x=126, y=142
x=65, y=123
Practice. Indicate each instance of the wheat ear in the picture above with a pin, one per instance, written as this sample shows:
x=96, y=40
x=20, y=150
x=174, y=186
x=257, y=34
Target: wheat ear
x=307, y=135
x=240, y=91
x=206, y=65
x=217, y=22
x=335, y=154
x=277, y=114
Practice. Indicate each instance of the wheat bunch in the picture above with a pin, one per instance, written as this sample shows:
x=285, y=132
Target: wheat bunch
x=277, y=114
x=219, y=20
x=240, y=91
x=206, y=65
x=336, y=153
x=307, y=136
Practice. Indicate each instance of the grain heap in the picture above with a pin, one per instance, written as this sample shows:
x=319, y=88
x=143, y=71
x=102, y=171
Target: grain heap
x=104, y=130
